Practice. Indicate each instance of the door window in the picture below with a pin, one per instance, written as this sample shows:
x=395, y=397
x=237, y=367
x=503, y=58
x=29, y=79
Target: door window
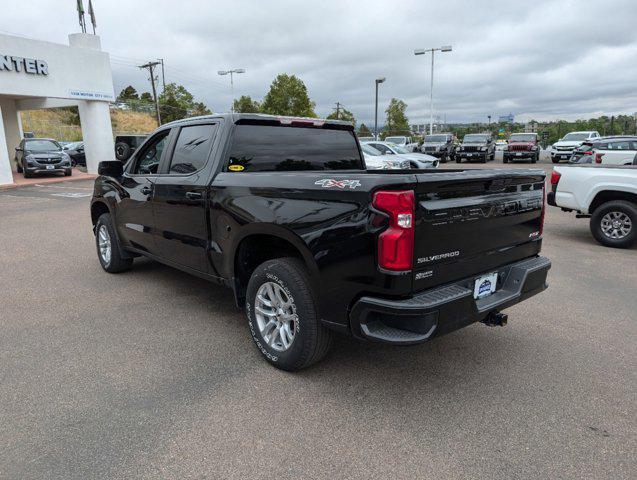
x=147, y=161
x=619, y=146
x=383, y=148
x=192, y=149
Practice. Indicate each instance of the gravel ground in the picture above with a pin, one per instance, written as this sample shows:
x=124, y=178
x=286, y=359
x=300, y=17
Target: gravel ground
x=152, y=374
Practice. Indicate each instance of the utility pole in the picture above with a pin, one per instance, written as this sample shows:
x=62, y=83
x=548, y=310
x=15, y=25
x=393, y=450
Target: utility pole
x=163, y=75
x=150, y=66
x=338, y=111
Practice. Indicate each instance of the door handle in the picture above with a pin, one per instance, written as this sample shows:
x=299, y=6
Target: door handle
x=193, y=195
x=146, y=190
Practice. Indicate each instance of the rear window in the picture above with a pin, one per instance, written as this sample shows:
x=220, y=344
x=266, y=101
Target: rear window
x=267, y=148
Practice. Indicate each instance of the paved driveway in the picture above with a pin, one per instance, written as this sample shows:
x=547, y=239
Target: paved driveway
x=152, y=374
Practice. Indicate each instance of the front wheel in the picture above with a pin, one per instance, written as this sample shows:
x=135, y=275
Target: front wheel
x=109, y=251
x=458, y=160
x=505, y=160
x=614, y=224
x=282, y=315
x=555, y=160
x=18, y=166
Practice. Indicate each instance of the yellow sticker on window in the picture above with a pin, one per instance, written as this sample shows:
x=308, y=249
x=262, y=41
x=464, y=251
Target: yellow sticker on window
x=236, y=168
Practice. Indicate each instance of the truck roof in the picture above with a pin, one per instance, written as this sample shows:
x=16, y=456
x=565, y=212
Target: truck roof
x=282, y=119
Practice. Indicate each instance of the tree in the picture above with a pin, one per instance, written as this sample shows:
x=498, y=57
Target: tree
x=364, y=131
x=146, y=97
x=343, y=115
x=176, y=103
x=128, y=93
x=288, y=96
x=245, y=104
x=396, y=122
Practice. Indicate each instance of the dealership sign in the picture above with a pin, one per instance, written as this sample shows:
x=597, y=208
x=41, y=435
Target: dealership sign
x=26, y=65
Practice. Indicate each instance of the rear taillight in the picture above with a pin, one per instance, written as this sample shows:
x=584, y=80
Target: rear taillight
x=598, y=157
x=396, y=244
x=544, y=205
x=555, y=178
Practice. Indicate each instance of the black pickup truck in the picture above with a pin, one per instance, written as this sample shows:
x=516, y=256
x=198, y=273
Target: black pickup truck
x=282, y=211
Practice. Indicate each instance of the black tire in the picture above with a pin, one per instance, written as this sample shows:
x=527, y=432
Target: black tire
x=18, y=166
x=505, y=160
x=68, y=172
x=26, y=174
x=555, y=160
x=458, y=160
x=620, y=206
x=119, y=260
x=122, y=151
x=535, y=158
x=311, y=339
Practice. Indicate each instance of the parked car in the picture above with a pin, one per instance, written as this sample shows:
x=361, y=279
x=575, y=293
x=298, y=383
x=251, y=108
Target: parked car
x=612, y=150
x=375, y=160
x=416, y=160
x=366, y=139
x=605, y=194
x=75, y=150
x=125, y=145
x=41, y=155
x=522, y=146
x=500, y=145
x=440, y=146
x=407, y=143
x=562, y=149
x=282, y=211
x=478, y=147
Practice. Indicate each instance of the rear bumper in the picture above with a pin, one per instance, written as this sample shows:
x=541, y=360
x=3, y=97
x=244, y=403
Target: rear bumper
x=550, y=199
x=445, y=309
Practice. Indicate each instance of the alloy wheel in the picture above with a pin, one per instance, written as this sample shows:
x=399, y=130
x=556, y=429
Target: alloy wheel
x=616, y=225
x=276, y=317
x=104, y=244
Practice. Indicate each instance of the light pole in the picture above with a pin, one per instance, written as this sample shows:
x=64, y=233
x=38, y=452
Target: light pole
x=422, y=51
x=231, y=73
x=377, y=81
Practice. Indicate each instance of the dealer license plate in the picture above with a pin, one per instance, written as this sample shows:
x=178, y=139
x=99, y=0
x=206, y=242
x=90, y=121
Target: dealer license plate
x=485, y=285
x=469, y=154
x=50, y=167
x=518, y=154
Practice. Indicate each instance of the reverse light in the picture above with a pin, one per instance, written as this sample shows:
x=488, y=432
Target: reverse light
x=396, y=244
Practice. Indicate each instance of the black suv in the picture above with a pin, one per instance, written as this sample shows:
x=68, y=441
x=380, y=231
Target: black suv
x=478, y=147
x=439, y=145
x=125, y=145
x=41, y=155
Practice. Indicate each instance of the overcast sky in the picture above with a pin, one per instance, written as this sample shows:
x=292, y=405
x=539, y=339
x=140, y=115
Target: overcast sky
x=536, y=59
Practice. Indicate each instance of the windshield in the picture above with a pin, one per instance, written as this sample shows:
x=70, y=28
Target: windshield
x=475, y=138
x=572, y=137
x=435, y=138
x=522, y=138
x=72, y=145
x=369, y=150
x=397, y=148
x=365, y=139
x=398, y=140
x=42, y=146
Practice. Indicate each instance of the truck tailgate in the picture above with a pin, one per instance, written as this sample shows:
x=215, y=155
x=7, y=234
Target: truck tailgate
x=472, y=222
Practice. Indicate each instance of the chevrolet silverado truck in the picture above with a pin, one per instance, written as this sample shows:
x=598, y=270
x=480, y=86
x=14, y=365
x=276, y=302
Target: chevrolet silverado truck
x=522, y=146
x=605, y=194
x=283, y=212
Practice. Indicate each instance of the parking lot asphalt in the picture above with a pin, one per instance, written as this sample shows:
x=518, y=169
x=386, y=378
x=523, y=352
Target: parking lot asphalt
x=152, y=374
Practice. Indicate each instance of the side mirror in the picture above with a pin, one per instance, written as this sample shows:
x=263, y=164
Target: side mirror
x=18, y=149
x=114, y=168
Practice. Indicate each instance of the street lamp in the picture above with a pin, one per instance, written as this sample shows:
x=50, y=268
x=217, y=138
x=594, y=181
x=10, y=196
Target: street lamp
x=422, y=51
x=377, y=81
x=231, y=73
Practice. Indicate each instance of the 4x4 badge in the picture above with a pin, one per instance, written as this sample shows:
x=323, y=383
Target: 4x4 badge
x=331, y=183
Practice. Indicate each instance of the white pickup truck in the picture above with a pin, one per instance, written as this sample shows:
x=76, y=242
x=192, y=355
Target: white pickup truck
x=605, y=194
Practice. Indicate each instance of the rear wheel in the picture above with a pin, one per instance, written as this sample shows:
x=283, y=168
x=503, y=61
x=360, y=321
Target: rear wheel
x=505, y=160
x=555, y=160
x=614, y=224
x=282, y=315
x=458, y=160
x=109, y=251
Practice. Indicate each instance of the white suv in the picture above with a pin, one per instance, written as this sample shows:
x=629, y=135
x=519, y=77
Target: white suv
x=563, y=149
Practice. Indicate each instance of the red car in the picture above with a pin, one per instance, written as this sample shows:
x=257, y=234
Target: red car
x=522, y=146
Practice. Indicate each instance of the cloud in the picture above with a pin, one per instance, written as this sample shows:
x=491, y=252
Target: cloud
x=542, y=59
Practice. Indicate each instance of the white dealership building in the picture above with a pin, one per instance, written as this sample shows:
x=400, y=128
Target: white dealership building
x=35, y=74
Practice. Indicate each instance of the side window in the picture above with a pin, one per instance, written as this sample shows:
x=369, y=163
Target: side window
x=619, y=146
x=383, y=148
x=147, y=161
x=192, y=149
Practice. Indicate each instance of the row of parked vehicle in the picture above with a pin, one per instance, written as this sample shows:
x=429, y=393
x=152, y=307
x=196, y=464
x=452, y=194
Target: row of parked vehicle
x=590, y=148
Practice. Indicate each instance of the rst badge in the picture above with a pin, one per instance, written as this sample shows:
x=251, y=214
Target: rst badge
x=331, y=183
